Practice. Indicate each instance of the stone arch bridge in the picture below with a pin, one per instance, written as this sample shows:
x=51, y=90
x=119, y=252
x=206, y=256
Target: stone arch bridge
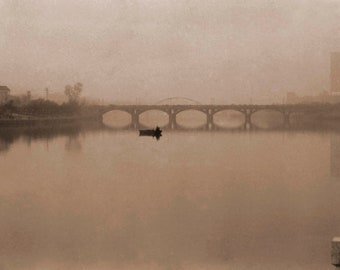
x=210, y=110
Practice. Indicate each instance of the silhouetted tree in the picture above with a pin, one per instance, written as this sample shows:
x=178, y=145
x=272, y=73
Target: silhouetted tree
x=73, y=92
x=7, y=109
x=41, y=107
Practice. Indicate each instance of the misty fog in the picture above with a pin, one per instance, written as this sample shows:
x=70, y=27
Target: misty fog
x=127, y=51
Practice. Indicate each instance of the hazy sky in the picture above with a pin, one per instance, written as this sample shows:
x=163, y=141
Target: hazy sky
x=147, y=50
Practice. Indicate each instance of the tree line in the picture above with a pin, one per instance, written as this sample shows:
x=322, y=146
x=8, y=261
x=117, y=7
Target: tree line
x=43, y=107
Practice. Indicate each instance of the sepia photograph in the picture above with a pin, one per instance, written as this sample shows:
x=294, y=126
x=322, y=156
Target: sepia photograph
x=169, y=134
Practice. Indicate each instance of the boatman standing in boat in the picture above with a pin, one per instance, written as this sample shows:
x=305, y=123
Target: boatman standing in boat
x=157, y=132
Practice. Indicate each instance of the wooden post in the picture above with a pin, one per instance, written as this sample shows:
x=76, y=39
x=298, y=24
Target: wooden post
x=336, y=252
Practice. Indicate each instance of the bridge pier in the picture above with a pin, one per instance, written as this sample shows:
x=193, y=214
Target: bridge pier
x=248, y=126
x=247, y=118
x=172, y=119
x=210, y=119
x=286, y=119
x=134, y=119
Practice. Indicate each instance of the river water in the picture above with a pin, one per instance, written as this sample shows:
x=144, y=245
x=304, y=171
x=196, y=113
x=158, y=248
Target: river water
x=92, y=198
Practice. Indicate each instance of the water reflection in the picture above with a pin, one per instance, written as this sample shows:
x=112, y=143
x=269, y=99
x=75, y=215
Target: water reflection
x=73, y=133
x=190, y=201
x=9, y=136
x=5, y=144
x=73, y=143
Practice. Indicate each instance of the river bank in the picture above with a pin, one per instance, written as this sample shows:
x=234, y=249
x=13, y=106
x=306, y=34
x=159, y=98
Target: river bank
x=47, y=121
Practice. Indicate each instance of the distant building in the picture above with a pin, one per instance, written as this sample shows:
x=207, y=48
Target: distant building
x=323, y=97
x=292, y=98
x=335, y=155
x=4, y=94
x=335, y=73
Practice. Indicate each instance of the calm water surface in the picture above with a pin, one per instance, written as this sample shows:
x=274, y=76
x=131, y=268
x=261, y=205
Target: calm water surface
x=112, y=200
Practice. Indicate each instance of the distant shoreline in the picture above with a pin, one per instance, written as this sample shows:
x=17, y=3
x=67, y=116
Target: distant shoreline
x=36, y=121
x=48, y=121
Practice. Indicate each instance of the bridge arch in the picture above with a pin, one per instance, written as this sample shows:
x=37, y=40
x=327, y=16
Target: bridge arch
x=159, y=109
x=117, y=119
x=154, y=116
x=236, y=109
x=117, y=108
x=191, y=118
x=268, y=118
x=193, y=108
x=228, y=118
x=209, y=110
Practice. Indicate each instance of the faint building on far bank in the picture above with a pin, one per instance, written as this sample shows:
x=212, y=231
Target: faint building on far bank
x=292, y=98
x=335, y=155
x=4, y=94
x=335, y=73
x=333, y=96
x=323, y=97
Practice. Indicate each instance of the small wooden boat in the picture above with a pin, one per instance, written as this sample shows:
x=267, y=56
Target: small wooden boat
x=157, y=132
